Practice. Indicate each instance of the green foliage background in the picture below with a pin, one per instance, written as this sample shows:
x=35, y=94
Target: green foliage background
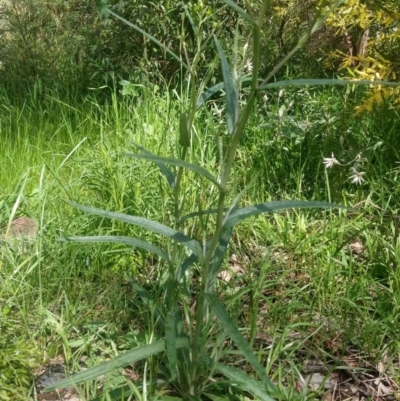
x=78, y=86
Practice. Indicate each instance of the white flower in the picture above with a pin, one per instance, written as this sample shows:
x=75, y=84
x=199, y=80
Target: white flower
x=357, y=177
x=330, y=161
x=249, y=66
x=217, y=111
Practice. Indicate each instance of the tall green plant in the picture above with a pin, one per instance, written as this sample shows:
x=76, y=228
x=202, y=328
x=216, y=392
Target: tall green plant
x=190, y=351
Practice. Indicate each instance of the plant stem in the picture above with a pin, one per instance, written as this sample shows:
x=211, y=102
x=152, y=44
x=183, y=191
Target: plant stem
x=225, y=175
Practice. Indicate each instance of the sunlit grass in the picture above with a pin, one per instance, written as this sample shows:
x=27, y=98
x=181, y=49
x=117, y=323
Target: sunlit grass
x=310, y=282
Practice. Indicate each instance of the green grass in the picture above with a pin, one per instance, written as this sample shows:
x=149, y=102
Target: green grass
x=302, y=290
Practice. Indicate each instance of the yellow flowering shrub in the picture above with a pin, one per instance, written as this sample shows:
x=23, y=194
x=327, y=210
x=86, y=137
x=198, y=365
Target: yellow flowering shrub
x=372, y=33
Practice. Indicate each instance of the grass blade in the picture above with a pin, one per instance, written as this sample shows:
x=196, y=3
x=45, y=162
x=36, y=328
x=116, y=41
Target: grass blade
x=119, y=362
x=146, y=298
x=239, y=215
x=319, y=82
x=170, y=343
x=177, y=162
x=133, y=242
x=232, y=104
x=219, y=255
x=170, y=177
x=191, y=21
x=150, y=225
x=104, y=368
x=241, y=12
x=200, y=213
x=216, y=260
x=208, y=92
x=187, y=263
x=232, y=330
x=152, y=38
x=120, y=393
x=184, y=134
x=245, y=382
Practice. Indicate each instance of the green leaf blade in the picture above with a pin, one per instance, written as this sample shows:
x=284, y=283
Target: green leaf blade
x=184, y=134
x=218, y=256
x=150, y=225
x=170, y=343
x=106, y=367
x=165, y=171
x=152, y=38
x=186, y=265
x=232, y=330
x=241, y=12
x=241, y=214
x=245, y=382
x=146, y=298
x=319, y=82
x=232, y=103
x=208, y=92
x=133, y=242
x=120, y=361
x=201, y=213
x=177, y=162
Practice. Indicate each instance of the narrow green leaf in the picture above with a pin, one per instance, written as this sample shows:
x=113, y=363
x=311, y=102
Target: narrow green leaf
x=150, y=225
x=208, y=92
x=152, y=38
x=239, y=215
x=187, y=263
x=218, y=257
x=235, y=203
x=322, y=16
x=146, y=298
x=244, y=382
x=318, y=82
x=214, y=397
x=101, y=7
x=133, y=242
x=191, y=21
x=232, y=104
x=241, y=12
x=120, y=361
x=170, y=343
x=184, y=134
x=120, y=393
x=177, y=162
x=106, y=367
x=200, y=213
x=232, y=330
x=170, y=177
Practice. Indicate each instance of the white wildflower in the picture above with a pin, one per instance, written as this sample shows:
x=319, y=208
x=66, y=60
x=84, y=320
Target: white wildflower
x=249, y=66
x=245, y=47
x=217, y=111
x=357, y=178
x=330, y=161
